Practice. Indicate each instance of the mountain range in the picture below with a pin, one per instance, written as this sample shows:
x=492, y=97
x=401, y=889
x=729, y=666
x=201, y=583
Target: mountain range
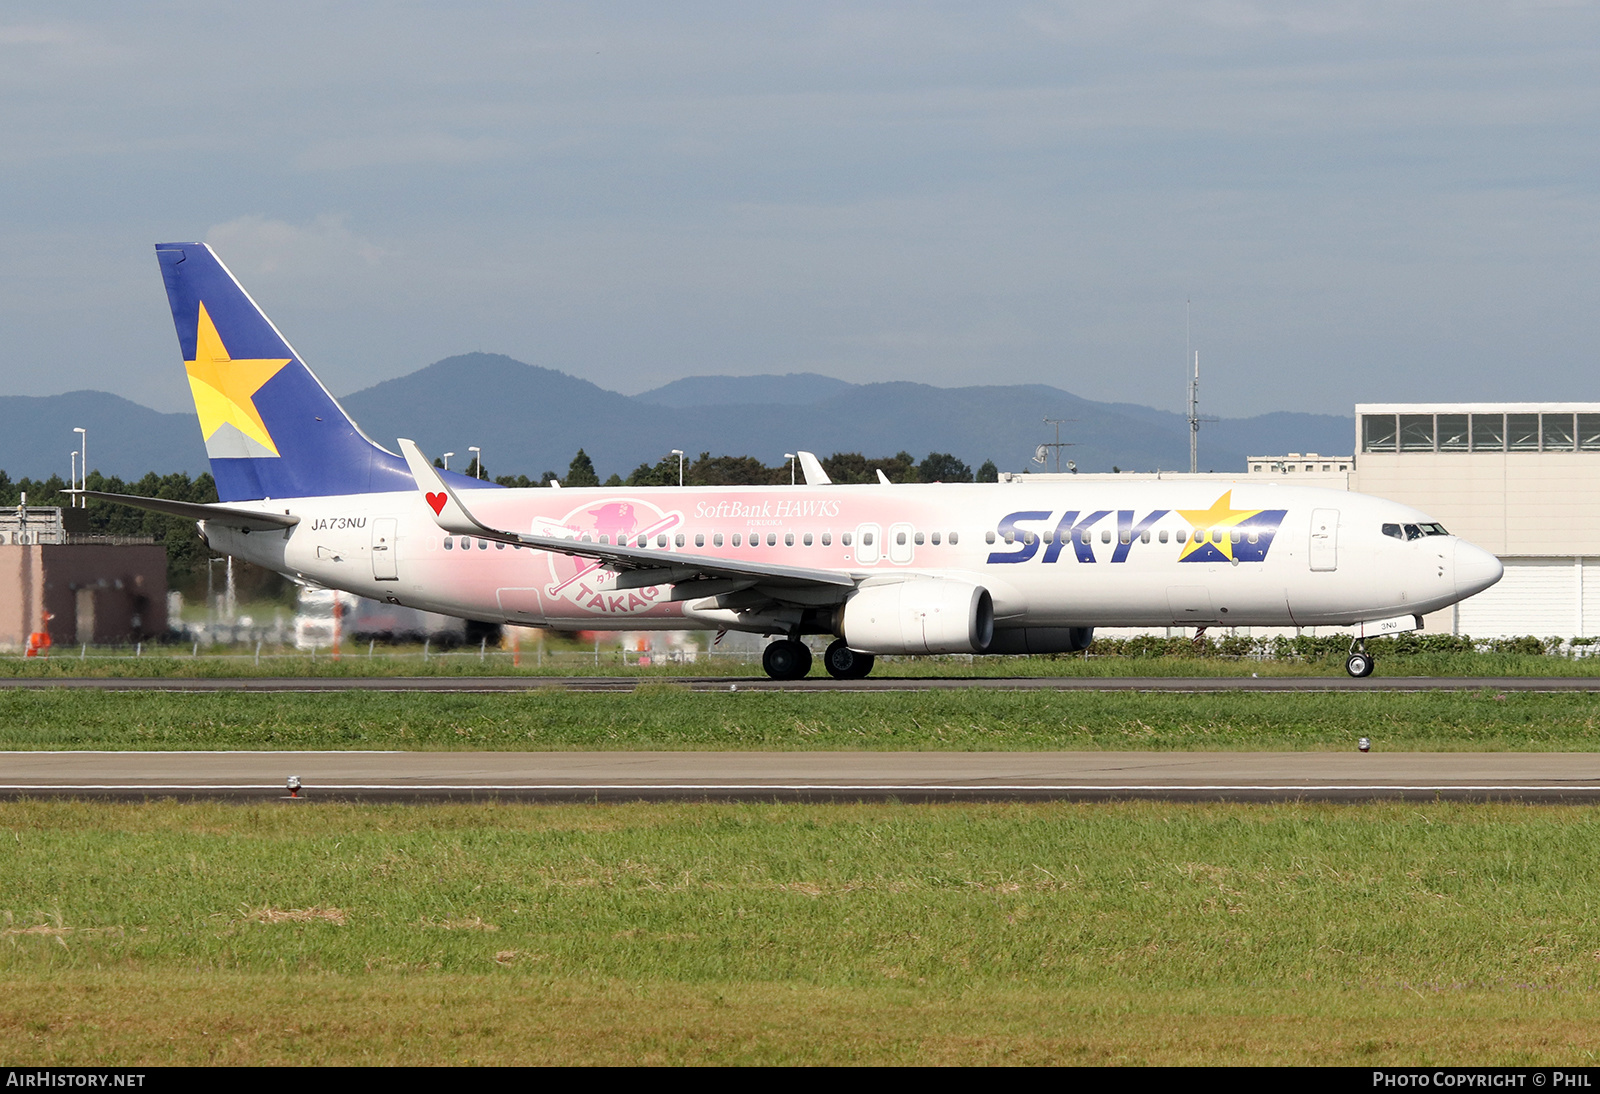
x=529, y=419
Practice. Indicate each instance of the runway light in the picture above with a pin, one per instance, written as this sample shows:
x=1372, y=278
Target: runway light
x=294, y=784
x=1364, y=745
x=733, y=687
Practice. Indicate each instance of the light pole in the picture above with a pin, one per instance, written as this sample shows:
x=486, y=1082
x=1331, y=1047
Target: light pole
x=790, y=457
x=74, y=490
x=447, y=456
x=678, y=452
x=477, y=460
x=84, y=438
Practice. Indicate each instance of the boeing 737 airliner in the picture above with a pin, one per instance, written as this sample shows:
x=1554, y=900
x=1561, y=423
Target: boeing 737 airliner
x=886, y=569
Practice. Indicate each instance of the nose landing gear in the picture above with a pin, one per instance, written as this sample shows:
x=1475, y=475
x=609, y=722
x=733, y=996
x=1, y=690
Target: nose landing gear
x=1360, y=662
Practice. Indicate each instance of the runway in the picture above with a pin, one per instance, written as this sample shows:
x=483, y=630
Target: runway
x=803, y=776
x=492, y=684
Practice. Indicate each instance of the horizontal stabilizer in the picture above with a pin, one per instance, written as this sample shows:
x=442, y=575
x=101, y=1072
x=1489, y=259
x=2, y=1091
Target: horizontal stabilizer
x=220, y=514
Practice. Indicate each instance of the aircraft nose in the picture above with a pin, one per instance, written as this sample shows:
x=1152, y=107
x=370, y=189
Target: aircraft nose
x=1475, y=569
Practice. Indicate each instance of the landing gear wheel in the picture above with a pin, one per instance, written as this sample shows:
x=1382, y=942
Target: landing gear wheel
x=786, y=659
x=844, y=663
x=1359, y=664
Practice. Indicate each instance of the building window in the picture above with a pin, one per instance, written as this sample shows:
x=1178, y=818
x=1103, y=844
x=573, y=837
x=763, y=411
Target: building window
x=1378, y=433
x=1416, y=432
x=1556, y=432
x=1488, y=432
x=1452, y=433
x=1522, y=432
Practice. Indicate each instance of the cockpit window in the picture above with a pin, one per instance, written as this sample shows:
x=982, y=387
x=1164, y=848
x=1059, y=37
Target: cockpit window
x=1414, y=531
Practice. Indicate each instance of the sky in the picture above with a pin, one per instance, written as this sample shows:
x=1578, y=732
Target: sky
x=1334, y=202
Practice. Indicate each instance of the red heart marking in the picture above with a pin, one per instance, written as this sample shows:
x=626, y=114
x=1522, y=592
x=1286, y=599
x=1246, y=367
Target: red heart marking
x=437, y=501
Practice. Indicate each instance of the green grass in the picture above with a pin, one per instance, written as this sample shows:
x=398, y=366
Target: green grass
x=161, y=662
x=665, y=716
x=1381, y=934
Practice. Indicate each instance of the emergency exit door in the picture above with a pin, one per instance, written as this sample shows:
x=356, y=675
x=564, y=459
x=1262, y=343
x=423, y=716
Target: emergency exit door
x=384, y=565
x=1325, y=539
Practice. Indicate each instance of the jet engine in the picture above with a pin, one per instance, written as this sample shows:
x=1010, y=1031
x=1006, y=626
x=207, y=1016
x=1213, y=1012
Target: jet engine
x=918, y=615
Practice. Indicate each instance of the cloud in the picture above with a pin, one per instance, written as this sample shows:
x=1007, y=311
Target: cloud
x=257, y=246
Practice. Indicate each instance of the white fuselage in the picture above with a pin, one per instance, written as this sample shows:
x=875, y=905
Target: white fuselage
x=1096, y=554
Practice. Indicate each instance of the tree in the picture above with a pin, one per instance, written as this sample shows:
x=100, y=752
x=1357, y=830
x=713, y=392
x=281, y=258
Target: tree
x=581, y=472
x=988, y=472
x=943, y=467
x=664, y=473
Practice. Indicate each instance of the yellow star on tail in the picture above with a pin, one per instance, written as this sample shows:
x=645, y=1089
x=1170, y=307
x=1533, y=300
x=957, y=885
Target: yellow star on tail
x=224, y=388
x=1221, y=515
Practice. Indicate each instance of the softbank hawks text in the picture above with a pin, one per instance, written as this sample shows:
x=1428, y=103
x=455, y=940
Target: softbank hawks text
x=783, y=510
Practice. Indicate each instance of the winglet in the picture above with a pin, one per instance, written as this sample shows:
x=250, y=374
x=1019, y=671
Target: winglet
x=883, y=479
x=812, y=468
x=448, y=512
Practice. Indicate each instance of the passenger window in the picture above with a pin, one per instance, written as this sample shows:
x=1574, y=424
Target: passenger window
x=483, y=545
x=845, y=539
x=449, y=544
x=499, y=546
x=827, y=539
x=736, y=539
x=1183, y=535
x=679, y=539
x=1216, y=535
x=807, y=539
x=699, y=539
x=900, y=538
x=1105, y=535
x=936, y=539
x=1393, y=531
x=606, y=539
x=954, y=539
x=1144, y=537
x=1011, y=537
x=772, y=539
x=661, y=540
x=1027, y=538
x=642, y=541
x=788, y=539
x=1124, y=537
x=1163, y=535
x=1084, y=536
x=917, y=538
x=988, y=537
x=1048, y=537
x=1233, y=536
x=1254, y=537
x=716, y=539
x=866, y=538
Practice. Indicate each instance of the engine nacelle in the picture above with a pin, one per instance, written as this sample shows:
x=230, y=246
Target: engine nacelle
x=1041, y=640
x=919, y=615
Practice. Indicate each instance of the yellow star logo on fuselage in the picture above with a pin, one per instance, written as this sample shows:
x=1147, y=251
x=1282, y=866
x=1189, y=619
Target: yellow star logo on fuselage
x=224, y=388
x=1221, y=516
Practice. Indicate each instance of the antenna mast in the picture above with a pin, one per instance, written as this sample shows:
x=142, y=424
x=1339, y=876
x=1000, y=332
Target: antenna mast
x=1058, y=444
x=1191, y=365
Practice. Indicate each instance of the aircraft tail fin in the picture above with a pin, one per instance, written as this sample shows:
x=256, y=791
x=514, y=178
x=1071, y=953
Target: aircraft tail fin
x=271, y=429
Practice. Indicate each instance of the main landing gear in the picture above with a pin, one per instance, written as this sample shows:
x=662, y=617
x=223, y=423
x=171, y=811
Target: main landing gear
x=787, y=659
x=844, y=663
x=790, y=659
x=1359, y=663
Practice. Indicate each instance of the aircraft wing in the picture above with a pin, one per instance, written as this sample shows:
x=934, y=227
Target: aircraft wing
x=640, y=567
x=220, y=514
